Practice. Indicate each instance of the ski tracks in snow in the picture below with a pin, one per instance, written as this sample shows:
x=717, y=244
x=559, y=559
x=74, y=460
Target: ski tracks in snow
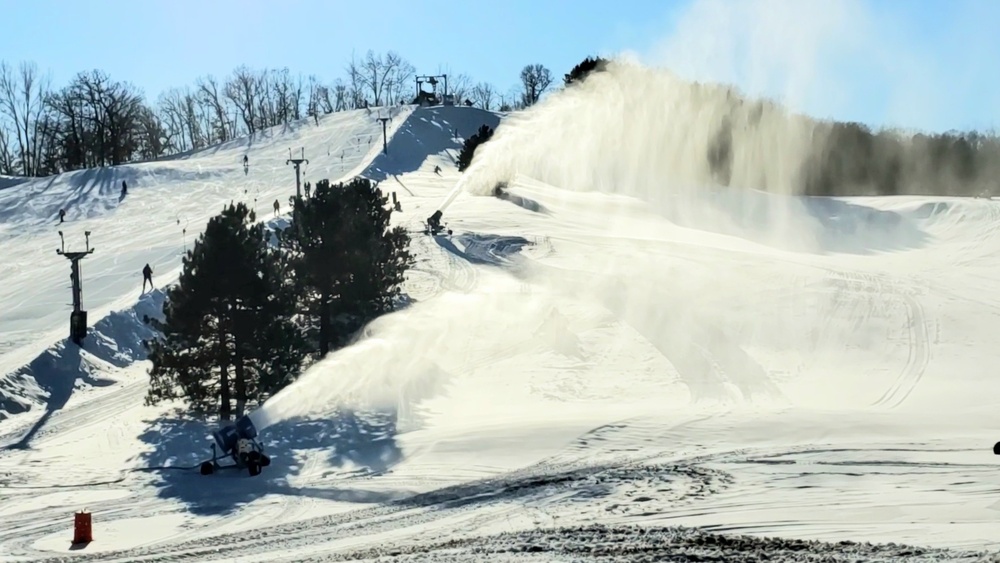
x=568, y=481
x=881, y=290
x=918, y=358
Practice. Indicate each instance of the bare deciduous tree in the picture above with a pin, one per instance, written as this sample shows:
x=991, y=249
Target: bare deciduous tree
x=180, y=120
x=101, y=122
x=386, y=77
x=512, y=100
x=399, y=79
x=354, y=96
x=210, y=94
x=483, y=95
x=22, y=101
x=460, y=86
x=96, y=121
x=6, y=155
x=535, y=79
x=243, y=90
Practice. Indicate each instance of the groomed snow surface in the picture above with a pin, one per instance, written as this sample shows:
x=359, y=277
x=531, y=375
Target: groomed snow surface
x=580, y=375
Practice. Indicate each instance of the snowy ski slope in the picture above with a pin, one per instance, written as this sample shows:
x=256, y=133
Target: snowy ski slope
x=576, y=362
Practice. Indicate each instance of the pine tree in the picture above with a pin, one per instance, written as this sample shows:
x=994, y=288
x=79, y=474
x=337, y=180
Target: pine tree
x=348, y=262
x=378, y=256
x=228, y=338
x=484, y=134
x=316, y=251
x=584, y=68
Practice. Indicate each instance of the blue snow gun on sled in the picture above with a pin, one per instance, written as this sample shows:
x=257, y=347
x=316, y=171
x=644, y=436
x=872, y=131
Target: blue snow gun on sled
x=237, y=442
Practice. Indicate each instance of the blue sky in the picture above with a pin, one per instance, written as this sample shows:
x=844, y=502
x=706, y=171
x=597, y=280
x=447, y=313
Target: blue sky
x=930, y=65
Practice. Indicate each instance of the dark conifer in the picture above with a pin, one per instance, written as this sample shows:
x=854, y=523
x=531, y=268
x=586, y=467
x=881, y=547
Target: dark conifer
x=228, y=340
x=484, y=134
x=348, y=262
x=584, y=68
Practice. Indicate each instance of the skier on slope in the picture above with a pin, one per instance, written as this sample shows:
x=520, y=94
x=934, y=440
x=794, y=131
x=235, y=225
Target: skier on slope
x=124, y=189
x=147, y=276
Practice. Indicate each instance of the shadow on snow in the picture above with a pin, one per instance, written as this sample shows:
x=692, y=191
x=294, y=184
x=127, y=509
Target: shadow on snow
x=51, y=378
x=793, y=223
x=56, y=373
x=484, y=249
x=426, y=132
x=353, y=444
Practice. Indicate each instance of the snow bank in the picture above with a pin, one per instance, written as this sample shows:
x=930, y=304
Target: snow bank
x=113, y=341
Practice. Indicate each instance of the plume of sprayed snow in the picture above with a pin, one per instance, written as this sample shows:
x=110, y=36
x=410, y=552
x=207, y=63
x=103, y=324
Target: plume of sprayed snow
x=651, y=134
x=702, y=156
x=645, y=133
x=410, y=354
x=840, y=58
x=785, y=49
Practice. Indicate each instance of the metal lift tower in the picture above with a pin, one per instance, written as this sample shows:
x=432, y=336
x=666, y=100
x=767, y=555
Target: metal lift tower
x=78, y=318
x=297, y=162
x=385, y=145
x=433, y=81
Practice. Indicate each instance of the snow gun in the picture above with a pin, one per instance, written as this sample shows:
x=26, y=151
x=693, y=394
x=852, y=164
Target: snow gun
x=237, y=442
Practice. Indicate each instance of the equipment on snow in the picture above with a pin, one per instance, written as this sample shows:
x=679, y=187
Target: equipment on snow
x=434, y=226
x=238, y=442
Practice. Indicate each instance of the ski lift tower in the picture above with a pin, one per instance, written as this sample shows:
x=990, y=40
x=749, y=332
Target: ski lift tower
x=78, y=318
x=433, y=81
x=297, y=162
x=385, y=141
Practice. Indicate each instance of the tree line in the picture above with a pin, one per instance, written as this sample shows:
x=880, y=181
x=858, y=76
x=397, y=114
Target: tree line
x=247, y=315
x=853, y=159
x=96, y=120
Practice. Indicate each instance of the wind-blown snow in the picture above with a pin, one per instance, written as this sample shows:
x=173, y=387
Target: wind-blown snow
x=611, y=350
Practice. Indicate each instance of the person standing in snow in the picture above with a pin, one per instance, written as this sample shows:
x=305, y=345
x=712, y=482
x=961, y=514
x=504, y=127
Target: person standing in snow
x=62, y=215
x=124, y=189
x=147, y=276
x=277, y=206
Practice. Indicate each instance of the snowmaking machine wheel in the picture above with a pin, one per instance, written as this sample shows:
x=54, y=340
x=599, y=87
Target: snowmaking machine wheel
x=996, y=448
x=264, y=460
x=253, y=468
x=207, y=468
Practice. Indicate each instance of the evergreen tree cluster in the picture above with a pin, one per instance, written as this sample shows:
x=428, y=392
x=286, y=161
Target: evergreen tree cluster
x=246, y=317
x=851, y=159
x=584, y=68
x=484, y=134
